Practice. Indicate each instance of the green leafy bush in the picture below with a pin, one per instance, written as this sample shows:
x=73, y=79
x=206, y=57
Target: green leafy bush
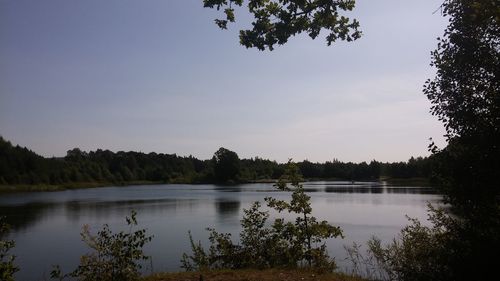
x=7, y=266
x=418, y=253
x=115, y=256
x=282, y=244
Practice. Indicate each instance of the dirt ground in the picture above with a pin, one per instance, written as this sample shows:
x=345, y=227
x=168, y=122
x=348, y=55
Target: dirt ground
x=251, y=275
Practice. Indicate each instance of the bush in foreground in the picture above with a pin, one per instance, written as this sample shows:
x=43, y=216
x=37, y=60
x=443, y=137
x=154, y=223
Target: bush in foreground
x=115, y=256
x=283, y=244
x=418, y=253
x=252, y=275
x=7, y=266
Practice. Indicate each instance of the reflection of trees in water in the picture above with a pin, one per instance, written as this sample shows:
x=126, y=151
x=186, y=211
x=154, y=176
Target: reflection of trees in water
x=228, y=188
x=343, y=189
x=309, y=189
x=20, y=217
x=366, y=187
x=227, y=209
x=75, y=210
x=412, y=190
x=380, y=190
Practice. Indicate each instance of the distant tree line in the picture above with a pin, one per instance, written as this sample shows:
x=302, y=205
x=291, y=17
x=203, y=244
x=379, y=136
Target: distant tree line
x=19, y=165
x=414, y=168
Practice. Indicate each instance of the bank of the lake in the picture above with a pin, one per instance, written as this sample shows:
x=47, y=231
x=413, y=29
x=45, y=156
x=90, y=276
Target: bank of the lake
x=13, y=188
x=10, y=188
x=252, y=275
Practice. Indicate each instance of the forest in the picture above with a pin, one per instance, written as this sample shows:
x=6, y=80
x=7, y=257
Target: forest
x=21, y=166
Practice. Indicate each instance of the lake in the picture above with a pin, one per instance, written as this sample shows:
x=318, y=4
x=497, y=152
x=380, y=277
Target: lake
x=46, y=225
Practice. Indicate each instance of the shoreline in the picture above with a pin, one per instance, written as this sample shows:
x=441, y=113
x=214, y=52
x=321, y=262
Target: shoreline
x=9, y=188
x=252, y=275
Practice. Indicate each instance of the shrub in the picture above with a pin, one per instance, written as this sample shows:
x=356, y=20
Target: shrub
x=419, y=253
x=115, y=256
x=283, y=244
x=7, y=266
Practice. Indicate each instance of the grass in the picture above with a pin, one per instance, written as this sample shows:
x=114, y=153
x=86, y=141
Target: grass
x=252, y=275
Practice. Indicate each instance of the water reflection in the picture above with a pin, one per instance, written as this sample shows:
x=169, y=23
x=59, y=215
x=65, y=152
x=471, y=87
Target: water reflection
x=412, y=190
x=227, y=207
x=346, y=183
x=77, y=210
x=365, y=187
x=227, y=210
x=42, y=220
x=379, y=189
x=22, y=217
x=228, y=188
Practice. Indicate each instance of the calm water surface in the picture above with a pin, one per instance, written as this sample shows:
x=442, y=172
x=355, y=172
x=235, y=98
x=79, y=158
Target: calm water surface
x=46, y=226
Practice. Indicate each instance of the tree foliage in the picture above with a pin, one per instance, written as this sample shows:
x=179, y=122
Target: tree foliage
x=306, y=231
x=419, y=252
x=114, y=256
x=276, y=21
x=465, y=96
x=7, y=266
x=464, y=92
x=226, y=165
x=20, y=166
x=462, y=244
x=285, y=244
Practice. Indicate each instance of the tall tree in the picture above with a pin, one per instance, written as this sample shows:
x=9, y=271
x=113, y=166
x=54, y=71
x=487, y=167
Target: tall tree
x=226, y=165
x=465, y=96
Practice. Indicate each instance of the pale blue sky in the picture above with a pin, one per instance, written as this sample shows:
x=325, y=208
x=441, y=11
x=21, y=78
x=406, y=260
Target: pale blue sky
x=158, y=75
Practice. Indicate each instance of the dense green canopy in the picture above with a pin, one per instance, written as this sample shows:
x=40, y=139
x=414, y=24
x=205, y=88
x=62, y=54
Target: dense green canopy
x=21, y=166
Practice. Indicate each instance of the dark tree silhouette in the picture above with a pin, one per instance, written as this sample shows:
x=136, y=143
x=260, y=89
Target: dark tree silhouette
x=465, y=96
x=276, y=21
x=226, y=165
x=20, y=166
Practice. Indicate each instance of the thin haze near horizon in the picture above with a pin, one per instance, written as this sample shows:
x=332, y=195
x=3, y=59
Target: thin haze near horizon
x=159, y=76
